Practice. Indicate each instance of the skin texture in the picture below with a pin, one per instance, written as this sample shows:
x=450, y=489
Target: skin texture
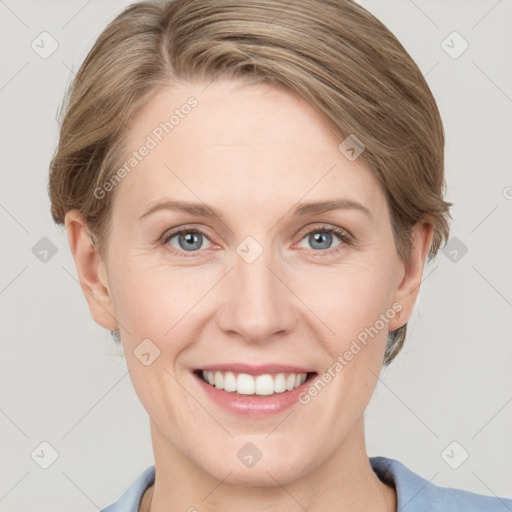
x=252, y=152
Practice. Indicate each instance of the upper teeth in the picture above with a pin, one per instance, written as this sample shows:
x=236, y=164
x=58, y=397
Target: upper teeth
x=246, y=384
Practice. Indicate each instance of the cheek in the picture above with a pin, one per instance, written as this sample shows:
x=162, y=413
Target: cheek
x=155, y=301
x=351, y=301
x=155, y=308
x=355, y=305
x=160, y=302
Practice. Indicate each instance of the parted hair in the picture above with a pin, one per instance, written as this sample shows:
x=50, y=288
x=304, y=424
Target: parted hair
x=333, y=53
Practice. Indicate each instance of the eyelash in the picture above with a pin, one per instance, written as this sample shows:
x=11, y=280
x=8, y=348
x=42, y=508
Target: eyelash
x=345, y=237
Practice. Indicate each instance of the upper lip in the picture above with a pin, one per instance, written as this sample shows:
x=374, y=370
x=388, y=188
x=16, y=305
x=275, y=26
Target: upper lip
x=255, y=369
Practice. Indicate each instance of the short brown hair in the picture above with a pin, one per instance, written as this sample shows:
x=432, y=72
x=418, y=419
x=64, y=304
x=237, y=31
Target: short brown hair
x=336, y=55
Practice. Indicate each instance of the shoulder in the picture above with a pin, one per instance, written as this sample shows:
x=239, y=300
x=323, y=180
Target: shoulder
x=415, y=494
x=130, y=500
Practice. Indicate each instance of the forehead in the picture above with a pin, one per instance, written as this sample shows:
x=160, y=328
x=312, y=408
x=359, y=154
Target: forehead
x=228, y=109
x=249, y=142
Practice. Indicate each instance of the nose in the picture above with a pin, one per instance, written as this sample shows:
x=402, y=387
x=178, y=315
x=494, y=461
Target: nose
x=257, y=303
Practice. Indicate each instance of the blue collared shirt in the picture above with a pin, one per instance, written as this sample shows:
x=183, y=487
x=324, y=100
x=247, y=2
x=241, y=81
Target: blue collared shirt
x=414, y=493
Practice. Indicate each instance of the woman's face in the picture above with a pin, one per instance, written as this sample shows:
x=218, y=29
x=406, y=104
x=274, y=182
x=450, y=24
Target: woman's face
x=263, y=284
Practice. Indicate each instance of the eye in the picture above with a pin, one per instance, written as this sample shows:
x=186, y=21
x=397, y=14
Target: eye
x=187, y=239
x=321, y=238
x=190, y=240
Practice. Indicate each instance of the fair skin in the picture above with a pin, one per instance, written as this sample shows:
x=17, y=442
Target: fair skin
x=253, y=153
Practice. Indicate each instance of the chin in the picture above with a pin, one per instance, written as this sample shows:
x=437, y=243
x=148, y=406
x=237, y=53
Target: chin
x=270, y=470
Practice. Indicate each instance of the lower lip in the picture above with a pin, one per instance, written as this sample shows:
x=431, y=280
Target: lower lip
x=252, y=405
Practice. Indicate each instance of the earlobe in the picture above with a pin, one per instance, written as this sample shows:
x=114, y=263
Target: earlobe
x=91, y=271
x=407, y=291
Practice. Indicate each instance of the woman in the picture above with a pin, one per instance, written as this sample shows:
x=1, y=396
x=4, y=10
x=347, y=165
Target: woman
x=251, y=190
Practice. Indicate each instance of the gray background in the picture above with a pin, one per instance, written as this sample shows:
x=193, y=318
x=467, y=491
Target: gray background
x=62, y=379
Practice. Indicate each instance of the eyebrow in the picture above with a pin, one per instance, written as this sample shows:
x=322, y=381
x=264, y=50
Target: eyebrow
x=301, y=210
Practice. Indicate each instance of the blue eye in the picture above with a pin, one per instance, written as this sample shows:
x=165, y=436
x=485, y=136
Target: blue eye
x=323, y=238
x=190, y=240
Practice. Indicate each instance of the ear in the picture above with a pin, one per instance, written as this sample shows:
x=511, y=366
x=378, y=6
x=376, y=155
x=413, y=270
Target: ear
x=408, y=288
x=91, y=271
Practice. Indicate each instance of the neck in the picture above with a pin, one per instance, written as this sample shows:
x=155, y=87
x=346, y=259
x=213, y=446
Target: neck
x=344, y=482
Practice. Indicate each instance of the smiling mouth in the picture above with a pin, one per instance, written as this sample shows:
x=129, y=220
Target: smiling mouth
x=254, y=385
